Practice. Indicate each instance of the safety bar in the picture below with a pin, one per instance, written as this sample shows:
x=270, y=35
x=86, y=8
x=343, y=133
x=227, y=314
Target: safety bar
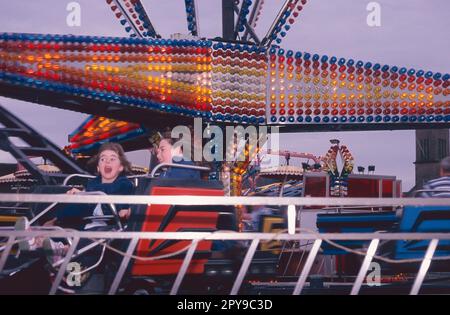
x=66, y=180
x=135, y=177
x=85, y=193
x=176, y=165
x=193, y=167
x=113, y=207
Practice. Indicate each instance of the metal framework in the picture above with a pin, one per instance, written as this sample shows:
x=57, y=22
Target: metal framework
x=192, y=17
x=267, y=39
x=127, y=13
x=255, y=238
x=92, y=107
x=247, y=26
x=256, y=10
x=38, y=146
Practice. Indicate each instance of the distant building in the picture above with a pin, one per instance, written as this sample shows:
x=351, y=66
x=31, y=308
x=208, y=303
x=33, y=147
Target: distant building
x=431, y=146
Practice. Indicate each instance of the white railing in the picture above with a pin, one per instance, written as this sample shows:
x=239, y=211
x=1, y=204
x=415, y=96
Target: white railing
x=227, y=201
x=255, y=238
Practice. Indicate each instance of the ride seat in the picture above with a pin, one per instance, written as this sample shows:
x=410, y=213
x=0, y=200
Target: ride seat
x=174, y=218
x=423, y=220
x=353, y=223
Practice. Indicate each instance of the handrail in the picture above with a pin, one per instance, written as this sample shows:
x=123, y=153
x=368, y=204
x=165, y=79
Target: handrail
x=66, y=180
x=229, y=235
x=135, y=177
x=138, y=176
x=176, y=165
x=223, y=200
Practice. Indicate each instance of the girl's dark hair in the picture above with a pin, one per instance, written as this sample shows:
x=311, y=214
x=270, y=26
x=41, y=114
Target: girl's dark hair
x=93, y=162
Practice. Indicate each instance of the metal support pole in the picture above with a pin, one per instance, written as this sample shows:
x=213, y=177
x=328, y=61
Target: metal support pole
x=247, y=27
x=267, y=39
x=228, y=19
x=365, y=266
x=6, y=251
x=184, y=267
x=253, y=16
x=63, y=267
x=307, y=268
x=247, y=260
x=123, y=266
x=424, y=267
x=194, y=15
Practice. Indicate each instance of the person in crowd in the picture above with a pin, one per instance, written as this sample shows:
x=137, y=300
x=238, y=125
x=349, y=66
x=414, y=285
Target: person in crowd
x=439, y=187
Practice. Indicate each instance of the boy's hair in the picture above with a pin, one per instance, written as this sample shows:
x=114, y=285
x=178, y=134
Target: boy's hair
x=167, y=135
x=93, y=162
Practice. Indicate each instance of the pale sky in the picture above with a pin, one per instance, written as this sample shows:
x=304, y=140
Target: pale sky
x=413, y=34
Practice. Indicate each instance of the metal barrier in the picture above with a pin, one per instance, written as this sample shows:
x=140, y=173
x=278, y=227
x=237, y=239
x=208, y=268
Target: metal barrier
x=176, y=165
x=66, y=180
x=255, y=238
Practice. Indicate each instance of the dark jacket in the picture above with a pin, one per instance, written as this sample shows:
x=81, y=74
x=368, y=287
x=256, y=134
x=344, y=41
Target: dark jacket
x=121, y=186
x=181, y=173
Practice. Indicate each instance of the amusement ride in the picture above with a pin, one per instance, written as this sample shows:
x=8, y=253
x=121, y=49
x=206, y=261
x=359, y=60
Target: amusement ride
x=135, y=86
